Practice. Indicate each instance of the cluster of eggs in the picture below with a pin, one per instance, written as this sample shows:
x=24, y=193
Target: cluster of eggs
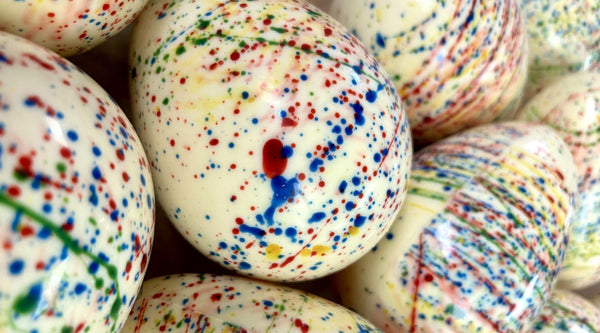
x=279, y=142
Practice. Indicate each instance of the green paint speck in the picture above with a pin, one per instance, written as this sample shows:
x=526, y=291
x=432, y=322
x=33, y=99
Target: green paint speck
x=180, y=49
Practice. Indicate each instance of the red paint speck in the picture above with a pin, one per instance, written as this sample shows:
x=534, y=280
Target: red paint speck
x=172, y=143
x=235, y=56
x=215, y=297
x=327, y=32
x=65, y=152
x=14, y=191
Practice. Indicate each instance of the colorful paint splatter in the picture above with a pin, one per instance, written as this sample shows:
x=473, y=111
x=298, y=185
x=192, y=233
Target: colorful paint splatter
x=479, y=240
x=571, y=106
x=456, y=64
x=568, y=312
x=211, y=303
x=68, y=27
x=278, y=146
x=76, y=198
x=564, y=37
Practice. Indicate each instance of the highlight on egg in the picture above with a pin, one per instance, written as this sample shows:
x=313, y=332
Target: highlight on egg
x=76, y=198
x=279, y=147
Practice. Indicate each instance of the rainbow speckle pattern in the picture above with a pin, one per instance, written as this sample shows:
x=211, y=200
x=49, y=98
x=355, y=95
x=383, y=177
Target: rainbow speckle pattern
x=571, y=106
x=456, y=64
x=567, y=312
x=76, y=198
x=279, y=147
x=211, y=303
x=564, y=37
x=479, y=240
x=68, y=27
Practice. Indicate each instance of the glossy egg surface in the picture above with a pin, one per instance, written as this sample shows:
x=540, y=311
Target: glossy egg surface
x=212, y=303
x=278, y=145
x=456, y=64
x=568, y=312
x=571, y=106
x=563, y=38
x=76, y=198
x=479, y=240
x=68, y=27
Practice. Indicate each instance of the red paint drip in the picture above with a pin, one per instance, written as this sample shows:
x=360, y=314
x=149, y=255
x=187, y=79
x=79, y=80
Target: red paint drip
x=288, y=122
x=274, y=163
x=39, y=61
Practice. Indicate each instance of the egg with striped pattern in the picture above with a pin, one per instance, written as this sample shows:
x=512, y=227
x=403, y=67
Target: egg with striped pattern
x=456, y=64
x=480, y=238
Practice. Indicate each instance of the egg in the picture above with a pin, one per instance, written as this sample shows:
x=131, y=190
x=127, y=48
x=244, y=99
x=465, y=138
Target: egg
x=479, y=240
x=68, y=27
x=196, y=302
x=568, y=312
x=456, y=64
x=76, y=198
x=570, y=106
x=563, y=38
x=278, y=145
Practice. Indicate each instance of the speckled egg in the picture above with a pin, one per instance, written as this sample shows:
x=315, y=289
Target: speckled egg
x=564, y=37
x=569, y=313
x=479, y=240
x=76, y=198
x=456, y=64
x=278, y=145
x=572, y=107
x=68, y=27
x=203, y=303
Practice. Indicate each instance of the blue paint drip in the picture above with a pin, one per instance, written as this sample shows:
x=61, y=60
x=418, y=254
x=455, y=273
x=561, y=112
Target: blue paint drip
x=358, y=114
x=315, y=164
x=257, y=232
x=343, y=186
x=283, y=189
x=371, y=96
x=380, y=40
x=317, y=217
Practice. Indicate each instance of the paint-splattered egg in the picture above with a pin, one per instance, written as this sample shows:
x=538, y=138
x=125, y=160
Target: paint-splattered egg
x=76, y=198
x=212, y=303
x=569, y=313
x=572, y=107
x=564, y=37
x=456, y=64
x=68, y=27
x=278, y=145
x=479, y=240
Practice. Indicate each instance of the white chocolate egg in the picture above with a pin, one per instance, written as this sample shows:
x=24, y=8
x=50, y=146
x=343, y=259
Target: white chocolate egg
x=198, y=302
x=567, y=312
x=456, y=64
x=479, y=240
x=68, y=27
x=563, y=38
x=278, y=146
x=76, y=198
x=572, y=107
